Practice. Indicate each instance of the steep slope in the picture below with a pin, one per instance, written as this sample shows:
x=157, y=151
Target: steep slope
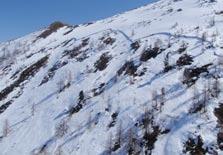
x=147, y=81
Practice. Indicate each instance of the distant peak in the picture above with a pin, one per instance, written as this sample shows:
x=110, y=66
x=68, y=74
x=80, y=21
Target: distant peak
x=52, y=28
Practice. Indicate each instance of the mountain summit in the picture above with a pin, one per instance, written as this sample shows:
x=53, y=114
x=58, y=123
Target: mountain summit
x=148, y=81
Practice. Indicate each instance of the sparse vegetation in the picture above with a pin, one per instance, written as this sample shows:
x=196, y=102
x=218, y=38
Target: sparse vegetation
x=52, y=71
x=219, y=114
x=61, y=129
x=25, y=75
x=99, y=90
x=108, y=41
x=135, y=46
x=114, y=118
x=194, y=146
x=183, y=48
x=6, y=128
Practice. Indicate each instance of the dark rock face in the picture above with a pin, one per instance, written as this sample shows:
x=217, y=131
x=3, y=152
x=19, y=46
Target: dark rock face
x=29, y=72
x=25, y=75
x=77, y=50
x=52, y=28
x=191, y=75
x=129, y=68
x=102, y=63
x=219, y=114
x=184, y=60
x=150, y=53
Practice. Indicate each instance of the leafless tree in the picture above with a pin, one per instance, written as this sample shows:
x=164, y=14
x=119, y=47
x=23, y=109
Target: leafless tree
x=109, y=145
x=162, y=98
x=197, y=103
x=68, y=78
x=204, y=37
x=155, y=100
x=158, y=43
x=33, y=109
x=119, y=134
x=195, y=96
x=131, y=80
x=166, y=62
x=132, y=143
x=64, y=81
x=108, y=104
x=211, y=22
x=147, y=120
x=169, y=42
x=205, y=98
x=89, y=122
x=61, y=129
x=59, y=151
x=60, y=85
x=6, y=128
x=133, y=33
x=216, y=88
x=220, y=62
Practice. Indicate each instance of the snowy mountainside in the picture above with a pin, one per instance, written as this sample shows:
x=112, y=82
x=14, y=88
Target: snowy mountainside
x=147, y=81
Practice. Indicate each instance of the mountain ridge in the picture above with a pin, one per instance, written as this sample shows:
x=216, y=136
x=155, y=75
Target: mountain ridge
x=147, y=81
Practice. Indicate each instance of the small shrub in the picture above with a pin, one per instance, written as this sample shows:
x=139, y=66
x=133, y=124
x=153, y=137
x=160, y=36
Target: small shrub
x=135, y=46
x=6, y=129
x=219, y=12
x=99, y=90
x=114, y=117
x=182, y=48
x=109, y=41
x=118, y=140
x=167, y=66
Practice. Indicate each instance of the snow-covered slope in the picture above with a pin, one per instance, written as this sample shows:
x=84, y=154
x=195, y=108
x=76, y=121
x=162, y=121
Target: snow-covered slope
x=147, y=81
